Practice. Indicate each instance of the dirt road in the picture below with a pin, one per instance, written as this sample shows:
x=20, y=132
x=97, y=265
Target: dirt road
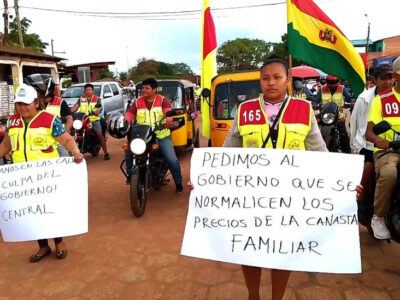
x=125, y=257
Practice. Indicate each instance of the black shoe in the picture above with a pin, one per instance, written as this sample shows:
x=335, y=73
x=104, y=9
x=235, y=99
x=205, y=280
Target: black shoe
x=179, y=188
x=36, y=257
x=106, y=156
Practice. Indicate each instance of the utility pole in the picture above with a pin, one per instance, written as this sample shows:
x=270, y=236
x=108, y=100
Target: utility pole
x=367, y=45
x=5, y=16
x=20, y=37
x=52, y=49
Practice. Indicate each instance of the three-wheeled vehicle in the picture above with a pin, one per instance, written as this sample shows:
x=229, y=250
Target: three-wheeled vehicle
x=180, y=92
x=227, y=92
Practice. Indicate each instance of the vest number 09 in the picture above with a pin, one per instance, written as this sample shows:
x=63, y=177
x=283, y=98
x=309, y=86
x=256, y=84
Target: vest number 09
x=250, y=116
x=392, y=108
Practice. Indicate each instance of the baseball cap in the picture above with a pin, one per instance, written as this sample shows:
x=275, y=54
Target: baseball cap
x=25, y=94
x=396, y=65
x=382, y=68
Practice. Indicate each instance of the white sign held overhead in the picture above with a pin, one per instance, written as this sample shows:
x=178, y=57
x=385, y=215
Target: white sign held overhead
x=282, y=209
x=43, y=199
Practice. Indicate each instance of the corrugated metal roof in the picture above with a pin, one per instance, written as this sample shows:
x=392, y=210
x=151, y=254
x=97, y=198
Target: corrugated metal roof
x=95, y=64
x=360, y=42
x=13, y=51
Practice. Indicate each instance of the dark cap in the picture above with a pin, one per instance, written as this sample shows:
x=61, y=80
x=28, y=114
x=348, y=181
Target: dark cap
x=382, y=68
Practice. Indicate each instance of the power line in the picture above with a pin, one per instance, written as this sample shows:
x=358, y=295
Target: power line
x=162, y=15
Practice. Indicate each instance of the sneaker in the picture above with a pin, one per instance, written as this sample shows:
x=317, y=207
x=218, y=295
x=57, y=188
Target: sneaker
x=379, y=228
x=106, y=156
x=179, y=188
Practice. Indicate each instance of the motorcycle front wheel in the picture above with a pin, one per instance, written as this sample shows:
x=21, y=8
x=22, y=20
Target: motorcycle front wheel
x=138, y=195
x=331, y=143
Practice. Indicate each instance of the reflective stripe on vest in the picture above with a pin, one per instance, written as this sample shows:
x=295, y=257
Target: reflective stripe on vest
x=153, y=116
x=86, y=107
x=294, y=124
x=33, y=142
x=54, y=106
x=391, y=113
x=337, y=97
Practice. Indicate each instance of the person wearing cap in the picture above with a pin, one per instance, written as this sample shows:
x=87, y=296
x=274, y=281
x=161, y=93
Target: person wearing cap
x=383, y=76
x=32, y=135
x=91, y=105
x=385, y=107
x=332, y=91
x=47, y=92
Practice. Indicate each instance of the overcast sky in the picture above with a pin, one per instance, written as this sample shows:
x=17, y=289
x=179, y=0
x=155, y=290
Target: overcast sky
x=123, y=40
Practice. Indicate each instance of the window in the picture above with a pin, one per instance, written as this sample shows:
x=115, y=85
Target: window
x=106, y=89
x=114, y=89
x=229, y=95
x=173, y=92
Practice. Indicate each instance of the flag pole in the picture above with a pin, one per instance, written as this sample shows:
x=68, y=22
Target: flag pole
x=290, y=86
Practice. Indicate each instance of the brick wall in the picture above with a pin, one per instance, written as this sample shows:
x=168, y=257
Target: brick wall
x=391, y=46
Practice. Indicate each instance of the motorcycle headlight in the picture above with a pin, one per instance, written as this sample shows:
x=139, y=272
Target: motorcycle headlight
x=328, y=118
x=138, y=146
x=77, y=124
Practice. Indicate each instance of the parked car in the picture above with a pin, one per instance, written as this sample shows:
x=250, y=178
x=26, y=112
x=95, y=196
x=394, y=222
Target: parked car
x=110, y=93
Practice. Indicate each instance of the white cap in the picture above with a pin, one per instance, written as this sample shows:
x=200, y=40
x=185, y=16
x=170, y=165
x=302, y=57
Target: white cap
x=25, y=94
x=396, y=65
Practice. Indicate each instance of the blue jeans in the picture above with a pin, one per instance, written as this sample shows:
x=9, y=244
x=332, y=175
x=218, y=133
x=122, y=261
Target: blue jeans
x=168, y=155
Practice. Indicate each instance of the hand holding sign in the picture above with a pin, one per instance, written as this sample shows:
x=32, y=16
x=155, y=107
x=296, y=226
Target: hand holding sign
x=38, y=200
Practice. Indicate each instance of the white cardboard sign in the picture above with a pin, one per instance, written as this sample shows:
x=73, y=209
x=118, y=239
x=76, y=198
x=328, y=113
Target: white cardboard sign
x=283, y=209
x=43, y=199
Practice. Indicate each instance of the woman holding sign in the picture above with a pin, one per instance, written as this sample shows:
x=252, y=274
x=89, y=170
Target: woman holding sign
x=274, y=120
x=33, y=135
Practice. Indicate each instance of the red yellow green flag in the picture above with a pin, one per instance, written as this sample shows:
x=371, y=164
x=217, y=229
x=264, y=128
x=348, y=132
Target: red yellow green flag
x=316, y=40
x=208, y=63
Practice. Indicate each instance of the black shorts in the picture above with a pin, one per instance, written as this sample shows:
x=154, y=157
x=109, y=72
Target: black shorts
x=368, y=155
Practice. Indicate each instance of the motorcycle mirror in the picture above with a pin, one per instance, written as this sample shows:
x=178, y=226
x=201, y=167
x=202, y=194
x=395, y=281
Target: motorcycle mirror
x=171, y=113
x=205, y=93
x=381, y=127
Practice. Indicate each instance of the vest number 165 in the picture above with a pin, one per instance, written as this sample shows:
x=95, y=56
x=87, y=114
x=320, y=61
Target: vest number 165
x=251, y=115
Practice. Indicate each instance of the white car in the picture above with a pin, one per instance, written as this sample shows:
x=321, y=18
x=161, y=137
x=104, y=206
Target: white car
x=110, y=93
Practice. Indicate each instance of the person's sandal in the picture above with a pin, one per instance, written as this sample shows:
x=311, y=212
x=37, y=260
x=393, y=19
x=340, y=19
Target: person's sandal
x=61, y=254
x=37, y=257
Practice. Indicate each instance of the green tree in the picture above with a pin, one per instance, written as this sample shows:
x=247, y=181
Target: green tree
x=281, y=49
x=165, y=69
x=123, y=75
x=105, y=73
x=242, y=54
x=32, y=41
x=182, y=69
x=157, y=69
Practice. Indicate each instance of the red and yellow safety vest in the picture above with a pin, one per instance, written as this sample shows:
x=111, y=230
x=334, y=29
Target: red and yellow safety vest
x=87, y=107
x=153, y=116
x=294, y=124
x=391, y=113
x=337, y=97
x=54, y=106
x=33, y=141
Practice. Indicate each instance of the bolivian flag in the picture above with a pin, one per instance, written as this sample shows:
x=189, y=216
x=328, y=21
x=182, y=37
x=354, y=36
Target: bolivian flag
x=208, y=63
x=315, y=39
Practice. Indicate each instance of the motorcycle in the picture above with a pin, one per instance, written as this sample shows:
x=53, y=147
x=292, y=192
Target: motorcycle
x=150, y=168
x=329, y=122
x=366, y=209
x=84, y=135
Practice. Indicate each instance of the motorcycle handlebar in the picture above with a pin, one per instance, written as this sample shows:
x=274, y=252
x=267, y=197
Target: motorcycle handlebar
x=395, y=145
